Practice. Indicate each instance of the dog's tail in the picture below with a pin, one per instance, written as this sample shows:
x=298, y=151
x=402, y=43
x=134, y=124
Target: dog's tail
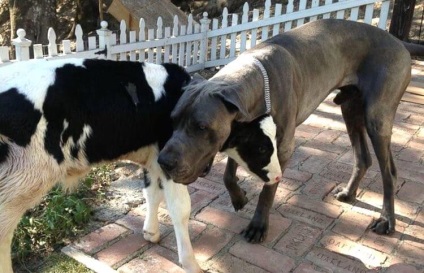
x=414, y=49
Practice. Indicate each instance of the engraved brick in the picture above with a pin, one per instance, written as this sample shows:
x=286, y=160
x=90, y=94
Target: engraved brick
x=335, y=175
x=194, y=229
x=229, y=263
x=201, y=199
x=318, y=187
x=290, y=184
x=326, y=146
x=306, y=268
x=328, y=136
x=335, y=262
x=402, y=268
x=297, y=175
x=314, y=164
x=383, y=243
x=327, y=209
x=208, y=186
x=403, y=208
x=343, y=140
x=344, y=246
x=298, y=240
x=150, y=262
x=306, y=216
x=262, y=257
x=412, y=192
x=307, y=131
x=277, y=225
x=352, y=225
x=223, y=219
x=210, y=243
x=411, y=252
x=410, y=155
x=347, y=168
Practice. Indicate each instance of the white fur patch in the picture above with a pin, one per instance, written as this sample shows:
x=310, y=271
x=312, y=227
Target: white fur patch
x=270, y=129
x=32, y=78
x=156, y=76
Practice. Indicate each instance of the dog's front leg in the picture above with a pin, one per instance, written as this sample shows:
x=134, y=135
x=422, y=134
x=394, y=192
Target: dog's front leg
x=238, y=196
x=179, y=206
x=257, y=229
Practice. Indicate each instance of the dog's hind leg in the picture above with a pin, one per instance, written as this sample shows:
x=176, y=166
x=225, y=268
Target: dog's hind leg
x=237, y=195
x=353, y=113
x=154, y=196
x=379, y=129
x=179, y=207
x=381, y=100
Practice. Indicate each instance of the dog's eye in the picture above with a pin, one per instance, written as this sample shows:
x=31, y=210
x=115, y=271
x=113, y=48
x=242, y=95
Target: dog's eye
x=262, y=149
x=201, y=127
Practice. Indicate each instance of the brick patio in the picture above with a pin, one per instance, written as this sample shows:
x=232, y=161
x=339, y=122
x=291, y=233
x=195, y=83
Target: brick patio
x=310, y=231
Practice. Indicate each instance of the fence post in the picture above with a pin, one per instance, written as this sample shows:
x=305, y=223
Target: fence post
x=204, y=22
x=22, y=45
x=104, y=38
x=52, y=47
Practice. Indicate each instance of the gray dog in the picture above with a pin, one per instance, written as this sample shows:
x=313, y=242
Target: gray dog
x=370, y=67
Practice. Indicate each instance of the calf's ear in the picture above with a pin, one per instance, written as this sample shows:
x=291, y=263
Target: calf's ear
x=197, y=78
x=234, y=104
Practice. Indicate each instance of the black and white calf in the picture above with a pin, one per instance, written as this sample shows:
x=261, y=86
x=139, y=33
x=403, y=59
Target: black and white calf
x=59, y=118
x=251, y=145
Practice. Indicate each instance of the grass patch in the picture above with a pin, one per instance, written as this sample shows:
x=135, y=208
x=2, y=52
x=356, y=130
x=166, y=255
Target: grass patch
x=57, y=219
x=60, y=263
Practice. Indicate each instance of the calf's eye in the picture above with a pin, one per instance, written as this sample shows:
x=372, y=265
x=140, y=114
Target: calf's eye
x=262, y=149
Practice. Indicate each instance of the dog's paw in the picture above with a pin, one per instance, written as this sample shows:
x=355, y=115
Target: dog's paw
x=255, y=232
x=151, y=236
x=382, y=226
x=240, y=202
x=342, y=195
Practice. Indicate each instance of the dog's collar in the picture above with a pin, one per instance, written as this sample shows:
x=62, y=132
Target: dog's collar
x=266, y=83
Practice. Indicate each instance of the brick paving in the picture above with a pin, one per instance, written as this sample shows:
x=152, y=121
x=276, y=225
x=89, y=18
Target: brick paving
x=309, y=232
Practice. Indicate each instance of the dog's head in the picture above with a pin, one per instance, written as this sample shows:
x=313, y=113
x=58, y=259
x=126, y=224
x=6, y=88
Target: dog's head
x=202, y=122
x=253, y=146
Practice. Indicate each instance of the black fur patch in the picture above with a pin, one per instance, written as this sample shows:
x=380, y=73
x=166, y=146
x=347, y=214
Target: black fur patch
x=18, y=117
x=4, y=152
x=95, y=95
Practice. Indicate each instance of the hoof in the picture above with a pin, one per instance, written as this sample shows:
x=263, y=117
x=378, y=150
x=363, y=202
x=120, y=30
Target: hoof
x=151, y=236
x=341, y=194
x=255, y=232
x=382, y=226
x=240, y=202
x=194, y=268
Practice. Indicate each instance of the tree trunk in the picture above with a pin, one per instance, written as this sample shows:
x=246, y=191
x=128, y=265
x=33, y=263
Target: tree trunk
x=101, y=10
x=13, y=14
x=213, y=8
x=46, y=18
x=35, y=16
x=403, y=12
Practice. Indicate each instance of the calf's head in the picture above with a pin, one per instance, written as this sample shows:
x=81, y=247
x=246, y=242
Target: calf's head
x=253, y=146
x=203, y=120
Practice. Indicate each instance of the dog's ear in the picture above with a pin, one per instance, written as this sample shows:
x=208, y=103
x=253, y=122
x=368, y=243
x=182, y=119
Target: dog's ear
x=234, y=104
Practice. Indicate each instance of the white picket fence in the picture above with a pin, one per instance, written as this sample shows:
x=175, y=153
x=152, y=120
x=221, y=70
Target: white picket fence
x=197, y=46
